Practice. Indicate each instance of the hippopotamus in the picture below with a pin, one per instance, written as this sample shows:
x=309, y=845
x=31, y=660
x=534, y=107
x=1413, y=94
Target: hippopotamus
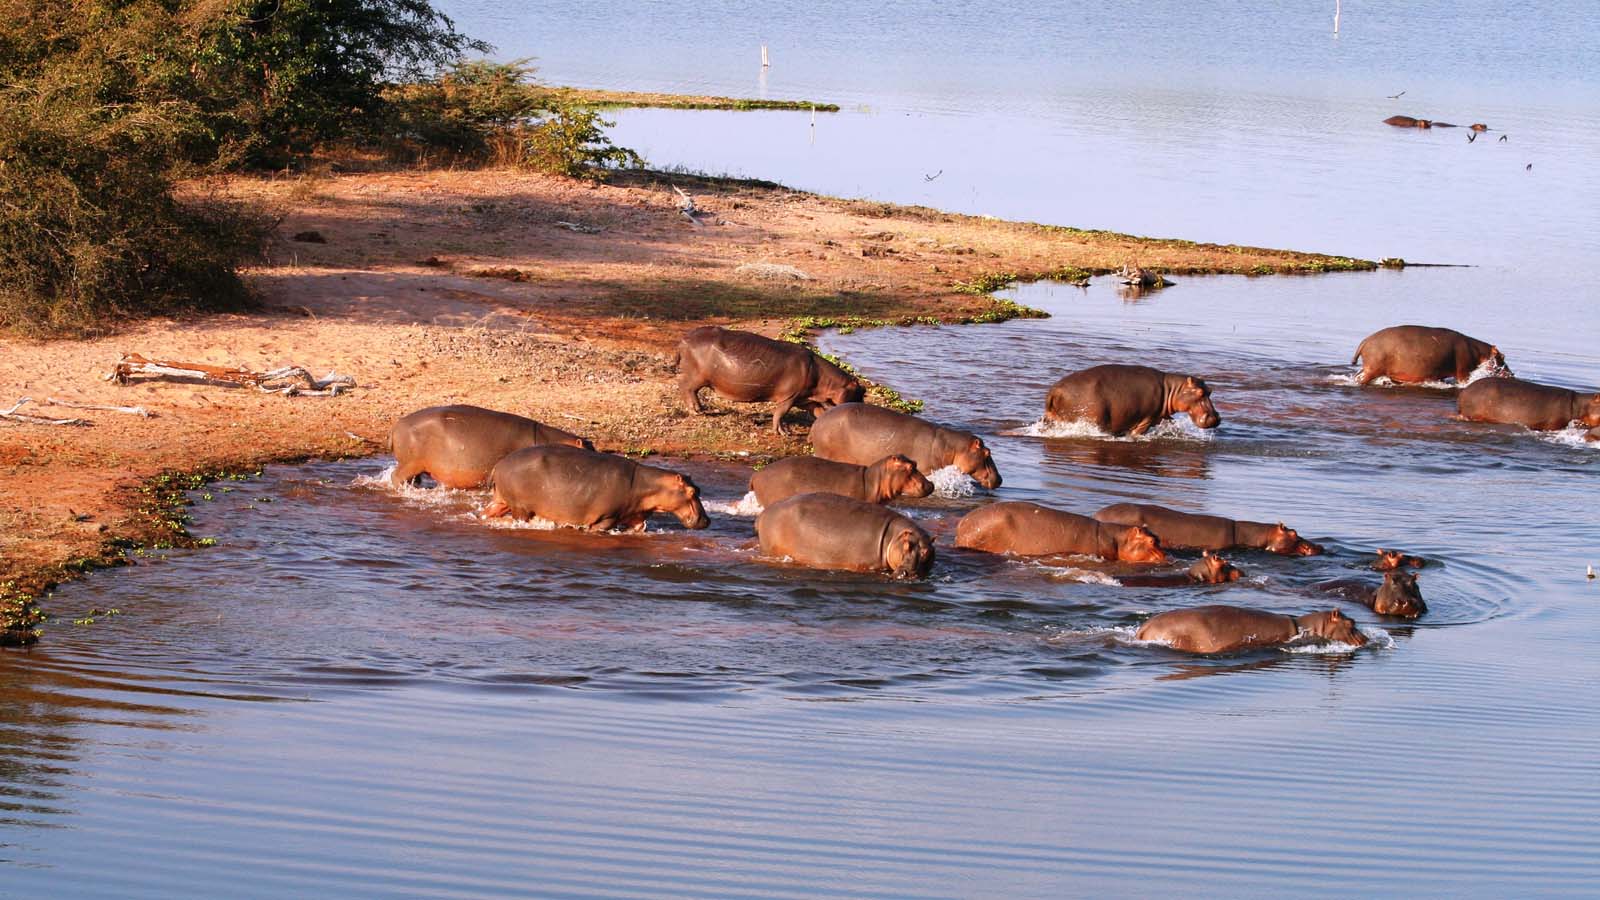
x=1478, y=126
x=750, y=368
x=1392, y=560
x=1121, y=399
x=1136, y=276
x=458, y=445
x=1028, y=529
x=888, y=478
x=863, y=434
x=1408, y=354
x=1192, y=531
x=828, y=531
x=1537, y=406
x=1398, y=596
x=585, y=489
x=1209, y=569
x=1223, y=629
x=1592, y=434
x=1407, y=122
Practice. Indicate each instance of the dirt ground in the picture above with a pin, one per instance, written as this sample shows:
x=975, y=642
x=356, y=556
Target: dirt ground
x=548, y=297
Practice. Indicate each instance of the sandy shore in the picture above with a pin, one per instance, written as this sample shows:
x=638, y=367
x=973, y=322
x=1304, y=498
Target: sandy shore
x=548, y=297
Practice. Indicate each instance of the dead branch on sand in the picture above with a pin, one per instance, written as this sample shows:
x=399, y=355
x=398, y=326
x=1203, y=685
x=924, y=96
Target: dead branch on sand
x=11, y=415
x=291, y=381
x=139, y=411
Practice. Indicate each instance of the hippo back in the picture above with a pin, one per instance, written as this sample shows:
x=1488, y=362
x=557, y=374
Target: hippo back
x=1517, y=402
x=564, y=484
x=805, y=475
x=833, y=532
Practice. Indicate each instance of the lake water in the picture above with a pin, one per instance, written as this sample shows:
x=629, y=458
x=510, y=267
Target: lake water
x=358, y=693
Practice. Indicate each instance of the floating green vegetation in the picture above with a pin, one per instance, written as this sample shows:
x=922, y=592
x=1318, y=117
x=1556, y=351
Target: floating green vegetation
x=21, y=619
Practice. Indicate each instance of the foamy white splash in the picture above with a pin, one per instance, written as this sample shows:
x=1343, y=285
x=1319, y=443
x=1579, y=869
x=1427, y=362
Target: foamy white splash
x=1073, y=573
x=436, y=496
x=1377, y=639
x=952, y=482
x=1571, y=436
x=1182, y=429
x=745, y=507
x=1486, y=369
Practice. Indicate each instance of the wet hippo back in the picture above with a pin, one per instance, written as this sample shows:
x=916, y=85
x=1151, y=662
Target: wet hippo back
x=884, y=480
x=1028, y=529
x=749, y=368
x=458, y=445
x=1177, y=530
x=1409, y=354
x=860, y=433
x=1513, y=401
x=829, y=531
x=573, y=486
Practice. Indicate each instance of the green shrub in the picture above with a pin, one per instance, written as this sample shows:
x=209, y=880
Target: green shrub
x=571, y=140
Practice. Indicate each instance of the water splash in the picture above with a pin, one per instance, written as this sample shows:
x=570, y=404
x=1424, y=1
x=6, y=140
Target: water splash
x=1486, y=369
x=1073, y=573
x=436, y=497
x=1182, y=429
x=952, y=482
x=1571, y=436
x=1377, y=639
x=746, y=507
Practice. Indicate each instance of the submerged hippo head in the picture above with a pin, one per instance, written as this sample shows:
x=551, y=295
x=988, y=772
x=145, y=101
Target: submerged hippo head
x=1285, y=541
x=1589, y=412
x=901, y=478
x=680, y=497
x=1138, y=544
x=1391, y=560
x=1497, y=363
x=1332, y=626
x=974, y=459
x=1213, y=569
x=1194, y=398
x=908, y=553
x=1399, y=596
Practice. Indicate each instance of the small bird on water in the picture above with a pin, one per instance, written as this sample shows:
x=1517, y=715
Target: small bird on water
x=1591, y=573
x=1397, y=96
x=1503, y=138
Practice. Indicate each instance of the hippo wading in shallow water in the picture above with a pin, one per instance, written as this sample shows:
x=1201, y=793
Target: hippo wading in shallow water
x=457, y=446
x=1409, y=354
x=585, y=489
x=888, y=478
x=1028, y=529
x=1209, y=569
x=1392, y=560
x=750, y=368
x=1129, y=399
x=1512, y=401
x=1397, y=596
x=1224, y=629
x=1192, y=531
x=827, y=531
x=863, y=434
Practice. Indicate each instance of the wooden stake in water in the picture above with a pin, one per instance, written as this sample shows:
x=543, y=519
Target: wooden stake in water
x=765, y=63
x=1336, y=16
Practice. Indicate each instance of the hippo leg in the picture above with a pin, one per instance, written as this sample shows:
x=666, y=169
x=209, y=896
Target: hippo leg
x=1139, y=428
x=781, y=410
x=406, y=474
x=689, y=391
x=1364, y=377
x=495, y=510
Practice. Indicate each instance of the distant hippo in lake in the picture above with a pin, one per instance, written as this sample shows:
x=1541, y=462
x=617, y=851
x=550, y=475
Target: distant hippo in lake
x=1028, y=529
x=1409, y=354
x=595, y=491
x=458, y=445
x=1136, y=276
x=1397, y=596
x=1407, y=122
x=863, y=434
x=750, y=368
x=888, y=478
x=1540, y=407
x=1393, y=560
x=1121, y=399
x=1193, y=531
x=1223, y=629
x=1210, y=569
x=827, y=531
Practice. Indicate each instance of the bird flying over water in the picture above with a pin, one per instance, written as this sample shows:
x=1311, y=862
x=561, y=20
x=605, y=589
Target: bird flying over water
x=933, y=176
x=1503, y=138
x=1397, y=96
x=1530, y=167
x=1472, y=136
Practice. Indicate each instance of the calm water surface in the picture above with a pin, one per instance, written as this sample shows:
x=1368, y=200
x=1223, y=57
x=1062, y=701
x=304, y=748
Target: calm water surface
x=358, y=693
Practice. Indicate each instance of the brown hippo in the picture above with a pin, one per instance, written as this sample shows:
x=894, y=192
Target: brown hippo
x=863, y=434
x=1028, y=529
x=1129, y=399
x=888, y=478
x=1394, y=560
x=458, y=445
x=1407, y=122
x=1223, y=629
x=596, y=491
x=1210, y=569
x=1592, y=435
x=1398, y=596
x=1478, y=126
x=1516, y=402
x=1192, y=531
x=827, y=531
x=750, y=368
x=1408, y=354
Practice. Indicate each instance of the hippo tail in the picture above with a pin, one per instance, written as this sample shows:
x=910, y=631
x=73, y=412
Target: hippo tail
x=1357, y=358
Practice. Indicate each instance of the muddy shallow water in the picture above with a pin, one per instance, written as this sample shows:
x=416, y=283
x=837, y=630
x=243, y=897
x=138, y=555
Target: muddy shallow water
x=359, y=692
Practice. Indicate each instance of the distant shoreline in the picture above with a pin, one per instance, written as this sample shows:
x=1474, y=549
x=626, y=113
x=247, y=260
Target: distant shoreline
x=606, y=99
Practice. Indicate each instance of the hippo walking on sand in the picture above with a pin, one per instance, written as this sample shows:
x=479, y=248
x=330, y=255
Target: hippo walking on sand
x=827, y=531
x=1193, y=531
x=458, y=445
x=1224, y=629
x=1512, y=401
x=1398, y=595
x=1028, y=529
x=1120, y=399
x=863, y=434
x=1409, y=354
x=888, y=478
x=589, y=490
x=750, y=368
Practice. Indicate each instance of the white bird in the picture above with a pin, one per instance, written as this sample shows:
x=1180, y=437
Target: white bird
x=1591, y=571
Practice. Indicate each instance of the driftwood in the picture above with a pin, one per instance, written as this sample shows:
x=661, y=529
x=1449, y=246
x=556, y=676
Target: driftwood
x=11, y=415
x=290, y=380
x=579, y=227
x=139, y=411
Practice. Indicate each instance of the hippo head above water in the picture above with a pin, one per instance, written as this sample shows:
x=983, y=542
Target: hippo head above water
x=677, y=495
x=1332, y=626
x=1139, y=544
x=1497, y=363
x=1285, y=541
x=1193, y=396
x=908, y=553
x=975, y=460
x=1399, y=596
x=904, y=479
x=1589, y=412
x=1213, y=569
x=1390, y=560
